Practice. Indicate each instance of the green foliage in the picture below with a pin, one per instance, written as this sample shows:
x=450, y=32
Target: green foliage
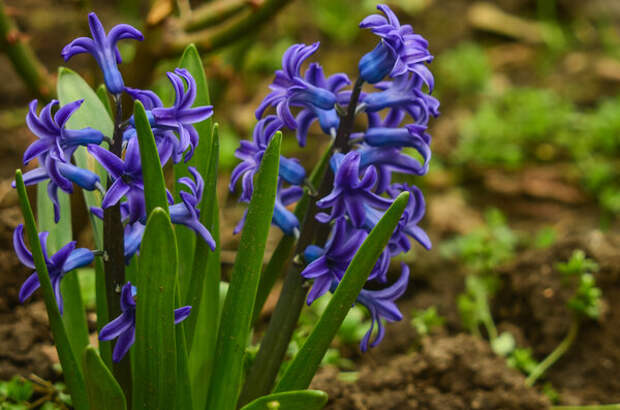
x=298, y=400
x=504, y=344
x=339, y=19
x=473, y=304
x=87, y=286
x=521, y=125
x=486, y=247
x=521, y=359
x=104, y=392
x=578, y=264
x=587, y=298
x=425, y=321
x=464, y=69
x=545, y=237
x=16, y=390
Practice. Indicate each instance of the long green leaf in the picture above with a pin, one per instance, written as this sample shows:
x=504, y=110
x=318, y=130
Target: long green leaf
x=153, y=174
x=284, y=250
x=74, y=314
x=92, y=113
x=70, y=366
x=298, y=400
x=300, y=372
x=155, y=350
x=104, y=392
x=208, y=214
x=237, y=312
x=186, y=238
x=184, y=394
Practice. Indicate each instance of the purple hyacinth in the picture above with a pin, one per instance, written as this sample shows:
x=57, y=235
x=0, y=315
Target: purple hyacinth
x=282, y=217
x=404, y=93
x=181, y=116
x=350, y=194
x=54, y=149
x=290, y=89
x=381, y=305
x=127, y=175
x=124, y=326
x=399, y=51
x=329, y=120
x=186, y=212
x=59, y=264
x=103, y=47
x=251, y=153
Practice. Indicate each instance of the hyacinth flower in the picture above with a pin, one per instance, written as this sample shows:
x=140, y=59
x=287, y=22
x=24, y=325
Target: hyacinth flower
x=186, y=212
x=404, y=93
x=282, y=217
x=251, y=153
x=103, y=47
x=127, y=175
x=329, y=120
x=54, y=149
x=408, y=224
x=399, y=51
x=59, y=264
x=181, y=115
x=124, y=326
x=133, y=234
x=289, y=89
x=381, y=305
x=350, y=194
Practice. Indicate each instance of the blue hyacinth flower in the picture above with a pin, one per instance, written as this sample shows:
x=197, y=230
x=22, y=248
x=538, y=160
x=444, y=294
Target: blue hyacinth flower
x=58, y=265
x=103, y=47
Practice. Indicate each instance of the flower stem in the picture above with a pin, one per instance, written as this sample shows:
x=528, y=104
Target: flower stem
x=114, y=262
x=285, y=316
x=555, y=355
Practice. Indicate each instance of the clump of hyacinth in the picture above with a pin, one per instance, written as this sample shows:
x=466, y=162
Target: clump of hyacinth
x=365, y=166
x=119, y=156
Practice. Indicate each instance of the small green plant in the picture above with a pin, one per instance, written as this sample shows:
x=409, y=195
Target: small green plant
x=464, y=69
x=577, y=264
x=425, y=321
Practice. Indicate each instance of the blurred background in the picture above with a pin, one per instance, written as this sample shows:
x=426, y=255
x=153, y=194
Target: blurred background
x=525, y=164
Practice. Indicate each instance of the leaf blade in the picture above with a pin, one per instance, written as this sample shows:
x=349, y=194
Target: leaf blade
x=104, y=392
x=298, y=400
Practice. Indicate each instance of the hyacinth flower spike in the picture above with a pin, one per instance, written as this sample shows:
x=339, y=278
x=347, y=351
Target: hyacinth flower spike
x=127, y=174
x=329, y=120
x=59, y=264
x=124, y=326
x=103, y=47
x=290, y=89
x=381, y=305
x=181, y=115
x=251, y=154
x=350, y=194
x=399, y=51
x=186, y=212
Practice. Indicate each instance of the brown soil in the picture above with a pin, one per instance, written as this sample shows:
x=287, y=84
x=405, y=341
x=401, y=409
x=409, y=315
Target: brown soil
x=450, y=372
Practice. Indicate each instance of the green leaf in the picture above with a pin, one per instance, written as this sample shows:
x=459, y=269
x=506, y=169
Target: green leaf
x=209, y=212
x=237, y=313
x=104, y=392
x=300, y=372
x=74, y=315
x=284, y=250
x=186, y=237
x=298, y=400
x=183, y=383
x=71, y=87
x=104, y=97
x=152, y=172
x=71, y=369
x=155, y=356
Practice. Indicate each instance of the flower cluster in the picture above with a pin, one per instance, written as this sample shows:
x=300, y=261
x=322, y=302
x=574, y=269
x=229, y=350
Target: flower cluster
x=176, y=140
x=394, y=141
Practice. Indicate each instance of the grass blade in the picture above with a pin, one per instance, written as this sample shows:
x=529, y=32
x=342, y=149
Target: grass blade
x=300, y=372
x=70, y=366
x=298, y=400
x=155, y=356
x=237, y=312
x=186, y=238
x=153, y=174
x=104, y=392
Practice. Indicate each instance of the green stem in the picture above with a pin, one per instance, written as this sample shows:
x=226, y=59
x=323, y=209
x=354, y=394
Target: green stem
x=213, y=13
x=273, y=347
x=114, y=260
x=23, y=58
x=555, y=355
